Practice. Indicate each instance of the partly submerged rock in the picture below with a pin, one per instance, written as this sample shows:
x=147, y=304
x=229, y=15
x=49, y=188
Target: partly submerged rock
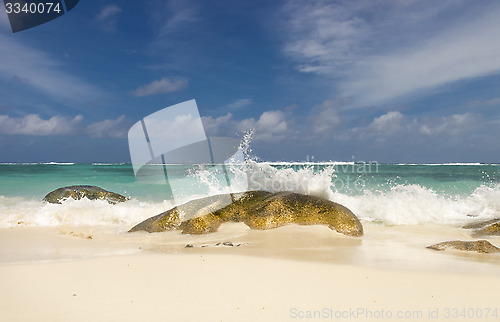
x=480, y=246
x=258, y=210
x=79, y=192
x=488, y=227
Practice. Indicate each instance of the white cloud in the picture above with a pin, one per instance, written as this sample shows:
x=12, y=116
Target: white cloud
x=108, y=11
x=161, y=86
x=271, y=126
x=219, y=126
x=388, y=123
x=32, y=124
x=325, y=124
x=178, y=14
x=108, y=17
x=239, y=103
x=396, y=125
x=453, y=124
x=324, y=117
x=381, y=127
x=375, y=51
x=42, y=72
x=486, y=103
x=117, y=128
x=321, y=34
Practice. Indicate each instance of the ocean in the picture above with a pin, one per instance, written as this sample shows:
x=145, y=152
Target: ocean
x=388, y=194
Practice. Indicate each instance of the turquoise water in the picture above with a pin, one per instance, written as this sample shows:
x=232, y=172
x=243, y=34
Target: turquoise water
x=387, y=193
x=447, y=179
x=36, y=180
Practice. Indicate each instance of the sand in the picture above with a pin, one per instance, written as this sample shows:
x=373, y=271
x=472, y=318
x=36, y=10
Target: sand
x=293, y=273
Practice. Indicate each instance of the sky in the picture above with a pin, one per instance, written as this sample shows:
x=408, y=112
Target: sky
x=407, y=81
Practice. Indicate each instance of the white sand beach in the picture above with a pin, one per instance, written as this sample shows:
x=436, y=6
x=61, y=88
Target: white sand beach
x=55, y=274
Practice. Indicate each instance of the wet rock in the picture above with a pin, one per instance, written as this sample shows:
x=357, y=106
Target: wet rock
x=168, y=220
x=79, y=192
x=284, y=208
x=201, y=225
x=258, y=210
x=488, y=227
x=480, y=246
x=171, y=219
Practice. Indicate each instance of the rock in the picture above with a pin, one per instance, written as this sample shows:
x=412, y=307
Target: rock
x=488, y=227
x=284, y=208
x=258, y=210
x=480, y=246
x=201, y=225
x=79, y=192
x=171, y=219
x=168, y=220
x=219, y=244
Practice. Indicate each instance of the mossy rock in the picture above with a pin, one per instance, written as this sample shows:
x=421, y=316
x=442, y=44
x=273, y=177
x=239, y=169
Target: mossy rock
x=479, y=246
x=258, y=210
x=201, y=225
x=285, y=208
x=487, y=227
x=171, y=219
x=79, y=192
x=168, y=220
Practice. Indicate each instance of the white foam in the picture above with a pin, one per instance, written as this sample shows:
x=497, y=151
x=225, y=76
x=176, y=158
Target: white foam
x=414, y=204
x=17, y=211
x=306, y=180
x=58, y=163
x=402, y=205
x=453, y=164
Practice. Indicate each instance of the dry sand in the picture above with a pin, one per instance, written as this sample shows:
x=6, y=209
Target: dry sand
x=58, y=274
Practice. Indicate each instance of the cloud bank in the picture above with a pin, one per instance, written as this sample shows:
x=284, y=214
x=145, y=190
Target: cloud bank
x=32, y=124
x=42, y=72
x=375, y=51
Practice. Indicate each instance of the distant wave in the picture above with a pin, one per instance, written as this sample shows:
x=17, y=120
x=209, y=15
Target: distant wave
x=439, y=164
x=286, y=163
x=37, y=163
x=18, y=163
x=59, y=163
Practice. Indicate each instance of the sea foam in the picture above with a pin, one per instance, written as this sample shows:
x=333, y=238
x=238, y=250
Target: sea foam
x=399, y=203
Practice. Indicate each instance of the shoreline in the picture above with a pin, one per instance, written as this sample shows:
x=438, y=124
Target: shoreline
x=394, y=248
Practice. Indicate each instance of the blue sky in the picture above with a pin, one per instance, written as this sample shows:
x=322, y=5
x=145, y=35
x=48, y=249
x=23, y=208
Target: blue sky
x=387, y=81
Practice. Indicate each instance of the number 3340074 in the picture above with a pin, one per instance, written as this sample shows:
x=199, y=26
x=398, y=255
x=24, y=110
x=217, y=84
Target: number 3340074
x=47, y=7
